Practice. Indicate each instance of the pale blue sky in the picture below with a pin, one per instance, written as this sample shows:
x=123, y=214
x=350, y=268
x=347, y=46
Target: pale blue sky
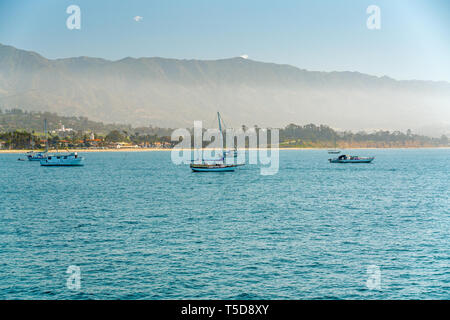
x=324, y=35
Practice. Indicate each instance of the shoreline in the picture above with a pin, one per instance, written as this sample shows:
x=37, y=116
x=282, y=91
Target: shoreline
x=161, y=149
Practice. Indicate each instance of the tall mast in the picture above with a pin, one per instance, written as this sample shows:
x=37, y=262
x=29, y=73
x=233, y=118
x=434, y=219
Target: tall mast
x=220, y=122
x=46, y=139
x=220, y=129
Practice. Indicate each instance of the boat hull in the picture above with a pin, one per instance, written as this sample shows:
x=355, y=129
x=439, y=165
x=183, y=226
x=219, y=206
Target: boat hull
x=62, y=164
x=352, y=161
x=213, y=168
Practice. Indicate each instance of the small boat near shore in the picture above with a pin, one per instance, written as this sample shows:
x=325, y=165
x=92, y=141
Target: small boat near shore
x=351, y=159
x=36, y=156
x=335, y=150
x=63, y=160
x=231, y=153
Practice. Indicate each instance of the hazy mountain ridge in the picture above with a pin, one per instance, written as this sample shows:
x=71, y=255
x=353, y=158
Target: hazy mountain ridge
x=172, y=93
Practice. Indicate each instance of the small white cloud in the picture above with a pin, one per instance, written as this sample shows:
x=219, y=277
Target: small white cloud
x=244, y=56
x=138, y=18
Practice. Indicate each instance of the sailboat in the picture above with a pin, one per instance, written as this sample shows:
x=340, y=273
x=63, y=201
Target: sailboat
x=229, y=153
x=215, y=165
x=334, y=151
x=38, y=156
x=219, y=166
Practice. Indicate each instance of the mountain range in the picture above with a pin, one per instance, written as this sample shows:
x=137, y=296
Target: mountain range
x=173, y=93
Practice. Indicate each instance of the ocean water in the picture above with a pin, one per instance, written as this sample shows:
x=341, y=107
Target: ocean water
x=140, y=227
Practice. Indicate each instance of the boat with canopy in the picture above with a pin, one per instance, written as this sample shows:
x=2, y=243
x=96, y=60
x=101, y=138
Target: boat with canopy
x=351, y=159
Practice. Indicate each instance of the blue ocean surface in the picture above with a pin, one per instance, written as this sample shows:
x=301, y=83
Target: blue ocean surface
x=140, y=227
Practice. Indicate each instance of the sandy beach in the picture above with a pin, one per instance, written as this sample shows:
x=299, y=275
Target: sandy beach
x=86, y=150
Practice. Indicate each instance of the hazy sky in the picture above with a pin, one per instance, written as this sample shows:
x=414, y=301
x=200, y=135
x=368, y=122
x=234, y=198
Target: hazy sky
x=325, y=35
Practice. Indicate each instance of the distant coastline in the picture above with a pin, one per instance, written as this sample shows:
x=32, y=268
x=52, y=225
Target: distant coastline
x=166, y=149
x=22, y=130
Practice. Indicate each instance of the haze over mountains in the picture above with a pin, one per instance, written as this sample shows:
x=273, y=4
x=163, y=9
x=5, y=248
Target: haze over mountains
x=174, y=93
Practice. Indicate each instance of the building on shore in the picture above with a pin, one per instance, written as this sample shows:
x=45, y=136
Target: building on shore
x=63, y=131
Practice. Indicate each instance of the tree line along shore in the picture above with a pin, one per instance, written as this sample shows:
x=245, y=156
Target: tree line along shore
x=22, y=130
